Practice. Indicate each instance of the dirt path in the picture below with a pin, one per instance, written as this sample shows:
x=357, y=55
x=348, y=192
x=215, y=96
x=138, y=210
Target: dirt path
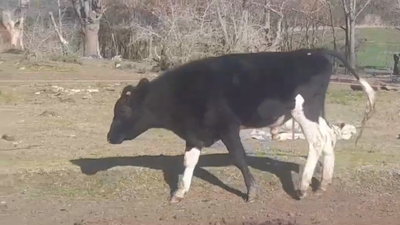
x=206, y=204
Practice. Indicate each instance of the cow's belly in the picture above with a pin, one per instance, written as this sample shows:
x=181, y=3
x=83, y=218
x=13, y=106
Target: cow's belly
x=266, y=122
x=268, y=114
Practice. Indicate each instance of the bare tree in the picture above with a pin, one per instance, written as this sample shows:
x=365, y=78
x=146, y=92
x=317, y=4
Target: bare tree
x=332, y=24
x=274, y=40
x=58, y=28
x=12, y=24
x=89, y=13
x=351, y=14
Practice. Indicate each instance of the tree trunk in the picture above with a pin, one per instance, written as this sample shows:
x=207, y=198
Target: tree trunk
x=12, y=27
x=335, y=64
x=349, y=8
x=91, y=43
x=347, y=38
x=352, y=44
x=90, y=13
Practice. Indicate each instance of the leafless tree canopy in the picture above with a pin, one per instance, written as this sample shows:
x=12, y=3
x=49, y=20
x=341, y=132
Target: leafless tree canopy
x=180, y=30
x=88, y=11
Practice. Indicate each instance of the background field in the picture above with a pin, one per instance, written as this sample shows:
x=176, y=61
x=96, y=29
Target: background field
x=375, y=46
x=377, y=51
x=57, y=167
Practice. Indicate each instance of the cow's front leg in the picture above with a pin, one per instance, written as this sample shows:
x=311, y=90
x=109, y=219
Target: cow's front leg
x=231, y=140
x=191, y=158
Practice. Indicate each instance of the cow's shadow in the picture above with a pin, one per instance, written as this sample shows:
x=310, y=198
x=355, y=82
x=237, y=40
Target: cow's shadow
x=172, y=166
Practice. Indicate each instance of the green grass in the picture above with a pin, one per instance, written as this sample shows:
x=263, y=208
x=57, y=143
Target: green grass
x=344, y=97
x=71, y=58
x=376, y=52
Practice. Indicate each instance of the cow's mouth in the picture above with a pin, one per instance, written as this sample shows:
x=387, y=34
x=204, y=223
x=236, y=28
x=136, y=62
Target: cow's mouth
x=115, y=140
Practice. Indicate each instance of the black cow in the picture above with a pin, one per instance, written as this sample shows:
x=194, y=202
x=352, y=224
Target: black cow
x=214, y=98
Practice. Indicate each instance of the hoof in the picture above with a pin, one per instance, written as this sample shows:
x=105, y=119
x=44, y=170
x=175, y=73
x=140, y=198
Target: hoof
x=175, y=199
x=321, y=190
x=301, y=194
x=251, y=195
x=251, y=199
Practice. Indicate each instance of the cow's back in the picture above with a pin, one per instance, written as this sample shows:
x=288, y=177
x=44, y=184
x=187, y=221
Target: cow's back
x=245, y=81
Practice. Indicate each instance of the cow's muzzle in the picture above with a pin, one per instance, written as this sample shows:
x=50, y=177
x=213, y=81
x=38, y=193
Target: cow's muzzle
x=115, y=139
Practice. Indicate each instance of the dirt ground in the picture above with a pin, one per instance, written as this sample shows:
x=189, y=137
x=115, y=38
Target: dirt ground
x=57, y=168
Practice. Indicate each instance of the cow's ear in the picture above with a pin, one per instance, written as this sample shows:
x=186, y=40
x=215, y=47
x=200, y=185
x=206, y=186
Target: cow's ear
x=395, y=57
x=143, y=86
x=127, y=91
x=141, y=89
x=143, y=81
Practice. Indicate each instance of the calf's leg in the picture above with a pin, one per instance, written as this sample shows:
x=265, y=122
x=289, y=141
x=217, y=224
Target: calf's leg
x=191, y=159
x=231, y=140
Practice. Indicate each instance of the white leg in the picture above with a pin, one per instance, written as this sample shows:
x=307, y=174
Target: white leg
x=316, y=141
x=315, y=148
x=190, y=161
x=328, y=154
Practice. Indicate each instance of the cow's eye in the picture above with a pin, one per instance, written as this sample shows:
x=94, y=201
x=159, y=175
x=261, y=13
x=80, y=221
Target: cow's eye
x=126, y=112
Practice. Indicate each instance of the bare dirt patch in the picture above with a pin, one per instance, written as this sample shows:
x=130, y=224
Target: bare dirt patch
x=59, y=169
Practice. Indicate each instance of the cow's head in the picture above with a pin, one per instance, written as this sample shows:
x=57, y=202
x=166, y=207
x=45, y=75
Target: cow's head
x=131, y=118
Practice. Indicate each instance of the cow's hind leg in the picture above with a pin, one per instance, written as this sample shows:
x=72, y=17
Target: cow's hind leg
x=191, y=159
x=231, y=140
x=328, y=154
x=309, y=118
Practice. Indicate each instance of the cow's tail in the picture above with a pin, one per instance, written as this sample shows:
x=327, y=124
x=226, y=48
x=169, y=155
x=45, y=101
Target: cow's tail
x=365, y=86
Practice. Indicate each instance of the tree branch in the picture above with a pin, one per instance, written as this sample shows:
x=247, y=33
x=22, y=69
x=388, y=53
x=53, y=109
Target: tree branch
x=311, y=16
x=92, y=10
x=365, y=5
x=223, y=26
x=345, y=7
x=278, y=33
x=64, y=42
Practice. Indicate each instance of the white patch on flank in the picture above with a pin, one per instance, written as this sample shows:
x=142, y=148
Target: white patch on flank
x=320, y=138
x=191, y=159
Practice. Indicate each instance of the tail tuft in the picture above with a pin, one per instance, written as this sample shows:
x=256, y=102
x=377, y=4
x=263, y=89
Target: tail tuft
x=370, y=106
